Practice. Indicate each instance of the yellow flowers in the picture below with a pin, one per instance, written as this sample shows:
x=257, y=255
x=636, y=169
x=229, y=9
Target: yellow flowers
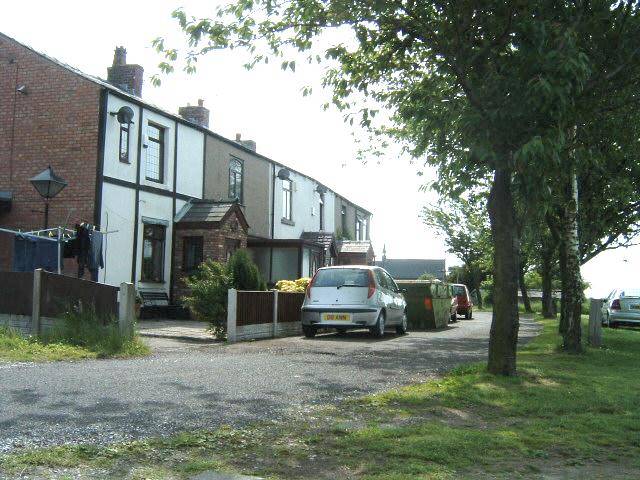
x=299, y=285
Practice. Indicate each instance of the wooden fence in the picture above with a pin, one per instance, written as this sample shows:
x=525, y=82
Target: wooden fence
x=252, y=315
x=34, y=301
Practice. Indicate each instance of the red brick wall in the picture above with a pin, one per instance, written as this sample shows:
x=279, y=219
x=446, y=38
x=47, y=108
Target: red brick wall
x=213, y=247
x=55, y=123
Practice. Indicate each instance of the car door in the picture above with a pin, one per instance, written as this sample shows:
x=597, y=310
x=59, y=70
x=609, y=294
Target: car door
x=398, y=299
x=386, y=298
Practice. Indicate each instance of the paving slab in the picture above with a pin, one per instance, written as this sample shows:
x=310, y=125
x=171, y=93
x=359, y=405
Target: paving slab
x=176, y=329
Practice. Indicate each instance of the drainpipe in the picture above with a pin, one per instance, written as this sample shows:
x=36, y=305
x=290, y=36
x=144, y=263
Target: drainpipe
x=273, y=215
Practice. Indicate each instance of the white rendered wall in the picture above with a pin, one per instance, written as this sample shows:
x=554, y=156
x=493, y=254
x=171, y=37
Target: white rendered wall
x=118, y=207
x=113, y=167
x=190, y=161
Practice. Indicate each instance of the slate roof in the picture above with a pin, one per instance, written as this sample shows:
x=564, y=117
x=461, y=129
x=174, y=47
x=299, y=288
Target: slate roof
x=206, y=211
x=353, y=246
x=411, y=269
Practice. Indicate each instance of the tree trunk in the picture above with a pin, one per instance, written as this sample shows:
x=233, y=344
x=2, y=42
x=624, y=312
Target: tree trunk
x=562, y=265
x=572, y=281
x=523, y=291
x=548, y=305
x=503, y=339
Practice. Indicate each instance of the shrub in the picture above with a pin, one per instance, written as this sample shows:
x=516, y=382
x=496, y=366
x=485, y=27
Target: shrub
x=210, y=284
x=293, y=286
x=427, y=276
x=244, y=274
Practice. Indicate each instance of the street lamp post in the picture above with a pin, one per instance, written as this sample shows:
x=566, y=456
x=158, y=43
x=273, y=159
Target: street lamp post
x=48, y=185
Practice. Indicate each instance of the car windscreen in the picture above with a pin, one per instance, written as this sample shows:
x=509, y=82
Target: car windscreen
x=459, y=290
x=630, y=292
x=336, y=277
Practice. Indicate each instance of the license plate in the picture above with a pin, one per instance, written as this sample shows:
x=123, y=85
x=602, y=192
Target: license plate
x=336, y=317
x=635, y=307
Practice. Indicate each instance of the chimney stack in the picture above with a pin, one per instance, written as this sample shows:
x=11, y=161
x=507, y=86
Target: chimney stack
x=198, y=114
x=250, y=144
x=128, y=77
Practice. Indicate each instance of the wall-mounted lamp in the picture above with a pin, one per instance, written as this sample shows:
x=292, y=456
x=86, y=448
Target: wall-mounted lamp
x=22, y=89
x=284, y=174
x=124, y=115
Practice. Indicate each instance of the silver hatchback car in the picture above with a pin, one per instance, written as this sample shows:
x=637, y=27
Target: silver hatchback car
x=622, y=306
x=349, y=297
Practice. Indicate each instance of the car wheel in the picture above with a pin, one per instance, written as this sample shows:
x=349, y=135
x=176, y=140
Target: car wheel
x=378, y=329
x=454, y=318
x=403, y=327
x=613, y=324
x=309, y=331
x=467, y=315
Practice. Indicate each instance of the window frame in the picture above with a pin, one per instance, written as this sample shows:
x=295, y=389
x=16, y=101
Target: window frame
x=287, y=200
x=343, y=212
x=187, y=243
x=232, y=161
x=126, y=128
x=161, y=152
x=163, y=250
x=321, y=212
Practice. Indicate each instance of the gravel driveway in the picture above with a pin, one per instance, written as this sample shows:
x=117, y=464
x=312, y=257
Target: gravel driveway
x=189, y=387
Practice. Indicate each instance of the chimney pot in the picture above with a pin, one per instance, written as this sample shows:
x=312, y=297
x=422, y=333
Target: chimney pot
x=200, y=102
x=120, y=56
x=238, y=137
x=126, y=76
x=198, y=114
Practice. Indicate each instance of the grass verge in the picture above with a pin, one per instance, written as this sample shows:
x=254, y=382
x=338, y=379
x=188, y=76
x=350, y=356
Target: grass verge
x=81, y=335
x=563, y=416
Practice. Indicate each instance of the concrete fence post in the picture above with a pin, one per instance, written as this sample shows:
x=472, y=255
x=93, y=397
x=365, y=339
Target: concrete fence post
x=595, y=322
x=275, y=313
x=36, y=302
x=232, y=310
x=126, y=308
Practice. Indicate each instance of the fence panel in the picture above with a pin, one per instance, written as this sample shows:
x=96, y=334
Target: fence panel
x=58, y=292
x=16, y=292
x=254, y=308
x=289, y=305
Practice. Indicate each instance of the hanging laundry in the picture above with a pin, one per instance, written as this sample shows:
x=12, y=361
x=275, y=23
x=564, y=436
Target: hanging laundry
x=83, y=247
x=96, y=260
x=30, y=253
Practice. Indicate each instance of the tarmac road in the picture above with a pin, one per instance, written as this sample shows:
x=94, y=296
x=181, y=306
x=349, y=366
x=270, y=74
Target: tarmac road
x=186, y=386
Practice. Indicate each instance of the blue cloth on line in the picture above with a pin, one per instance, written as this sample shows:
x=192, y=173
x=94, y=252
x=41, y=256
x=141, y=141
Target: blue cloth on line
x=30, y=253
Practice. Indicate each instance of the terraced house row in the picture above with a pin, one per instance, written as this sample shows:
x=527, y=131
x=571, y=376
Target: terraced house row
x=168, y=191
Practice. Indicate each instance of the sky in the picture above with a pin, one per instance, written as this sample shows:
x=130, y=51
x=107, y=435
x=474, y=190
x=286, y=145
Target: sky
x=265, y=105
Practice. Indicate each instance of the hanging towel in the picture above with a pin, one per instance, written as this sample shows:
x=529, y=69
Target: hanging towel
x=96, y=260
x=31, y=252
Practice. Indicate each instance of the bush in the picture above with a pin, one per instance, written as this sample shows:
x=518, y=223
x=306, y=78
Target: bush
x=487, y=287
x=293, y=286
x=210, y=284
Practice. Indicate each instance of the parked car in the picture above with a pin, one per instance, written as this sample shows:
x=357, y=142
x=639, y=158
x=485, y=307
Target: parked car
x=621, y=306
x=349, y=297
x=465, y=304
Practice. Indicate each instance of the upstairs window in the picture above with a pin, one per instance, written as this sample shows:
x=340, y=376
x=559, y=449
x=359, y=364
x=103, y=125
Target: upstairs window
x=192, y=251
x=286, y=199
x=154, y=168
x=124, y=142
x=361, y=228
x=235, y=179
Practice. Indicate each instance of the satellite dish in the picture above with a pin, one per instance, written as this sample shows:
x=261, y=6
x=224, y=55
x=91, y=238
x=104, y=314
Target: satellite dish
x=125, y=115
x=284, y=174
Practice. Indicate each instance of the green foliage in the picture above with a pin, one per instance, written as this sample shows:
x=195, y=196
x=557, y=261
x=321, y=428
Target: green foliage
x=81, y=335
x=96, y=333
x=427, y=276
x=209, y=287
x=343, y=235
x=243, y=273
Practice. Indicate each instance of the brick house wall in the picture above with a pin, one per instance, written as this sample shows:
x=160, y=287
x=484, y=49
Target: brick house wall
x=54, y=123
x=213, y=246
